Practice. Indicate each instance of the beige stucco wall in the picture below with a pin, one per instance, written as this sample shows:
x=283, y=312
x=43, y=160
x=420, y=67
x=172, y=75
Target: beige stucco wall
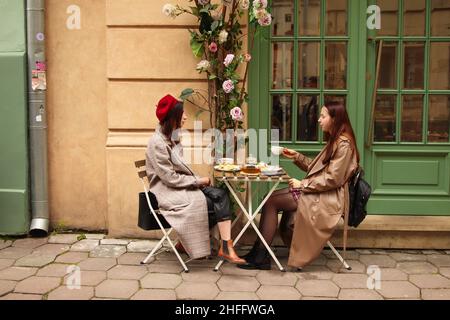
x=104, y=82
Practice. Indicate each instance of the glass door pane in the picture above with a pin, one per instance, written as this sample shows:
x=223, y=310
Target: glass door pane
x=439, y=118
x=308, y=110
x=282, y=65
x=309, y=17
x=388, y=66
x=336, y=65
x=336, y=17
x=281, y=115
x=413, y=65
x=440, y=18
x=385, y=118
x=309, y=64
x=283, y=17
x=389, y=17
x=412, y=112
x=414, y=18
x=440, y=66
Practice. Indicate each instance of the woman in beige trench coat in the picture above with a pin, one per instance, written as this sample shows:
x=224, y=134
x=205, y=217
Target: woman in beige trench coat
x=313, y=206
x=180, y=193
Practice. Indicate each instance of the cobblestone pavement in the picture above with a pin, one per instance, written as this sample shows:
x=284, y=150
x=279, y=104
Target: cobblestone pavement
x=62, y=267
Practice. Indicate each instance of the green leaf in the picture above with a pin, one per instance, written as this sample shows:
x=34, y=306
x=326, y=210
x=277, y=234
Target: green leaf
x=214, y=25
x=194, y=10
x=198, y=113
x=213, y=76
x=197, y=48
x=186, y=93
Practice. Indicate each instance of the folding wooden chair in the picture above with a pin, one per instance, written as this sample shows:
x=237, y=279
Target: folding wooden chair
x=157, y=222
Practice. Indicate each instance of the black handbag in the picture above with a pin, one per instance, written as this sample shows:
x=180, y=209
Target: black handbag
x=146, y=220
x=359, y=191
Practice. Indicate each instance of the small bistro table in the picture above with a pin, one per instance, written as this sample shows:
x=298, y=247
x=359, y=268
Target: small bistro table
x=247, y=205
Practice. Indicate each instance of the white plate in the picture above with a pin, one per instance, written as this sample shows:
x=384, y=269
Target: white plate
x=219, y=168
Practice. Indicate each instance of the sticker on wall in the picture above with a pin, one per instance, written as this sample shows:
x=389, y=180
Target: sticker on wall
x=40, y=36
x=41, y=66
x=74, y=20
x=38, y=80
x=39, y=118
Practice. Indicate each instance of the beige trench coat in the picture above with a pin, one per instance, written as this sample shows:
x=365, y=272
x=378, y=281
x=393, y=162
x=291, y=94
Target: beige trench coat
x=324, y=199
x=180, y=201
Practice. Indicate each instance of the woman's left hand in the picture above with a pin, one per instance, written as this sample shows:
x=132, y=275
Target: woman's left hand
x=294, y=183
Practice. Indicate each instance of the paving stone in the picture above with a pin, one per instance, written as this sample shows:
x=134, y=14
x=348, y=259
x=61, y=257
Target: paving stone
x=392, y=274
x=94, y=236
x=5, y=244
x=154, y=294
x=127, y=272
x=317, y=288
x=337, y=267
x=446, y=251
x=160, y=281
x=201, y=275
x=382, y=261
x=430, y=281
x=90, y=278
x=5, y=263
x=35, y=259
x=107, y=251
x=436, y=294
x=315, y=273
x=237, y=296
x=197, y=291
x=400, y=256
x=141, y=246
x=54, y=270
x=6, y=286
x=164, y=267
x=398, y=289
x=318, y=298
x=350, y=254
x=208, y=262
x=38, y=285
x=85, y=245
x=132, y=258
x=119, y=289
x=359, y=294
x=52, y=249
x=276, y=278
x=380, y=251
x=439, y=260
x=169, y=256
x=21, y=296
x=72, y=257
x=64, y=238
x=430, y=252
x=114, y=242
x=278, y=293
x=17, y=273
x=14, y=253
x=320, y=261
x=97, y=264
x=445, y=272
x=238, y=283
x=351, y=281
x=64, y=293
x=416, y=267
x=363, y=251
x=29, y=243
x=232, y=269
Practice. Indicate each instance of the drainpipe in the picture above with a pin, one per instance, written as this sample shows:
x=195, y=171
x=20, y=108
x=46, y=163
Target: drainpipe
x=37, y=88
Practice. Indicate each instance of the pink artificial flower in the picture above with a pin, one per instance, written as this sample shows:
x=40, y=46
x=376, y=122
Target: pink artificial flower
x=265, y=21
x=236, y=114
x=213, y=47
x=228, y=59
x=203, y=2
x=228, y=86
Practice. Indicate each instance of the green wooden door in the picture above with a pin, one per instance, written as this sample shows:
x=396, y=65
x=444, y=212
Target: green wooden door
x=321, y=49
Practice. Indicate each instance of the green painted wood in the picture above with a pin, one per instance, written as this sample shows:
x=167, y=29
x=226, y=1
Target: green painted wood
x=12, y=26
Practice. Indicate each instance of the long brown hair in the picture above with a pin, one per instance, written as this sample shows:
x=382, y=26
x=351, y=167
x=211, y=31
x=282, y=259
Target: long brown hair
x=172, y=121
x=341, y=126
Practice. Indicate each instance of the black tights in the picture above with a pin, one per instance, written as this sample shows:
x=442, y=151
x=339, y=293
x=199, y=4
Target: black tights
x=280, y=200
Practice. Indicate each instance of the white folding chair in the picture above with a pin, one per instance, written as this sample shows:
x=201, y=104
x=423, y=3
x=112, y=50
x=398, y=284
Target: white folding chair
x=160, y=221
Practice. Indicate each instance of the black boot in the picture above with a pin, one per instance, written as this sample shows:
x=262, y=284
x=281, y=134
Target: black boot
x=260, y=261
x=251, y=254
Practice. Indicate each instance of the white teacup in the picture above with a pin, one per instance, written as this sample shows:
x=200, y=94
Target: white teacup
x=225, y=161
x=276, y=150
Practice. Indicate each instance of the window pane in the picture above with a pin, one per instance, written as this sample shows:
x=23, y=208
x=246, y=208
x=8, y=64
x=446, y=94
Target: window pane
x=414, y=18
x=412, y=108
x=384, y=125
x=342, y=99
x=439, y=118
x=389, y=17
x=308, y=110
x=387, y=78
x=440, y=17
x=336, y=65
x=281, y=115
x=308, y=65
x=336, y=17
x=282, y=65
x=414, y=65
x=440, y=65
x=283, y=17
x=309, y=18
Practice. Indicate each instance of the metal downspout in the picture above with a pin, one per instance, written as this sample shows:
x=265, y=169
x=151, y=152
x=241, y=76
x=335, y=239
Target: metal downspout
x=37, y=88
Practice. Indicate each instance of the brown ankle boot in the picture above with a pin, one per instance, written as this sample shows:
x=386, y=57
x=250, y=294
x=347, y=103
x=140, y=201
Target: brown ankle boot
x=227, y=252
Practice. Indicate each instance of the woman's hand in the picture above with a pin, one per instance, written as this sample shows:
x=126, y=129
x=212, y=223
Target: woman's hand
x=294, y=183
x=288, y=153
x=204, y=182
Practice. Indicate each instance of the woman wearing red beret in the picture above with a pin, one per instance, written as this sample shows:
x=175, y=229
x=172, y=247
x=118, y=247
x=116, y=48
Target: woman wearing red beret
x=182, y=196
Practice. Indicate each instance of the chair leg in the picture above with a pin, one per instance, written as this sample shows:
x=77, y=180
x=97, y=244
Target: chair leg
x=156, y=248
x=178, y=255
x=339, y=256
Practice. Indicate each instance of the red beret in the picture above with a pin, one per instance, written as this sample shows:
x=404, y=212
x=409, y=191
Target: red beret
x=164, y=106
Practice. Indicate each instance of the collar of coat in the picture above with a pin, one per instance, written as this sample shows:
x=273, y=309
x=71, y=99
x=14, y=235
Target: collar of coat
x=317, y=164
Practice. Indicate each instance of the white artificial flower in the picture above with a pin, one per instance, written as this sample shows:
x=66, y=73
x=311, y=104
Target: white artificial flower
x=223, y=36
x=259, y=13
x=228, y=59
x=203, y=65
x=169, y=10
x=260, y=4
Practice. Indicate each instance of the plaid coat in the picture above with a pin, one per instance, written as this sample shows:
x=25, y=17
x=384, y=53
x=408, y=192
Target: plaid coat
x=323, y=200
x=180, y=201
